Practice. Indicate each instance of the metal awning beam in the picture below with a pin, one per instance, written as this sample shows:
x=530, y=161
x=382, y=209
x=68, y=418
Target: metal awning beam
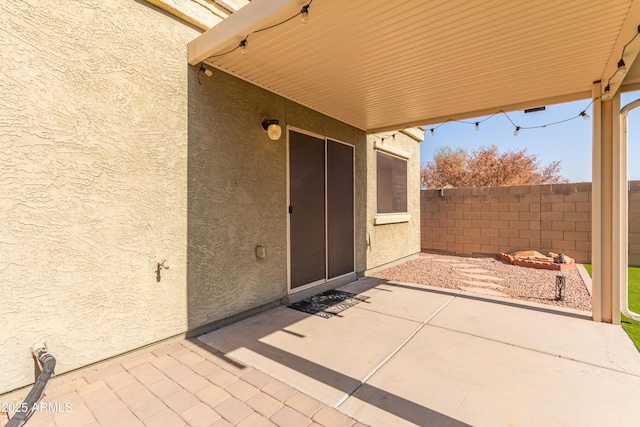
x=232, y=30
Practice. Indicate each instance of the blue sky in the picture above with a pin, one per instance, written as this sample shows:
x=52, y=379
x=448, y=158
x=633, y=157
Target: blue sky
x=569, y=142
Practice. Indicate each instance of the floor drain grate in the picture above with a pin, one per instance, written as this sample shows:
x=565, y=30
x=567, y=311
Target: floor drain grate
x=328, y=304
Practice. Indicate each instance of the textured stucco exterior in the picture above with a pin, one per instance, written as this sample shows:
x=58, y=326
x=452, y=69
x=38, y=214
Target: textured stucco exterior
x=238, y=194
x=116, y=158
x=387, y=243
x=93, y=130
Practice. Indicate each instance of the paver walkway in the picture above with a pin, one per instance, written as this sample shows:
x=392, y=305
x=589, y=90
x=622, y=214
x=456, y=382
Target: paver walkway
x=183, y=384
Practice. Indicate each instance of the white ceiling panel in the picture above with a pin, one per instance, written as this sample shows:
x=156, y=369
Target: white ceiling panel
x=383, y=65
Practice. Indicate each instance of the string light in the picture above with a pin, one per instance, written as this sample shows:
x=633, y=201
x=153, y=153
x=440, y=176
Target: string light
x=518, y=128
x=304, y=13
x=620, y=71
x=207, y=72
x=392, y=136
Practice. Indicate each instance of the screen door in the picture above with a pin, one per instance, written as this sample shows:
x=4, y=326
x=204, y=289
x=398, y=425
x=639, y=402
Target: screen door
x=321, y=209
x=306, y=209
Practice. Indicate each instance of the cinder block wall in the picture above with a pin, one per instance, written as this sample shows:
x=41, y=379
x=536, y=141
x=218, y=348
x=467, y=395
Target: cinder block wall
x=486, y=221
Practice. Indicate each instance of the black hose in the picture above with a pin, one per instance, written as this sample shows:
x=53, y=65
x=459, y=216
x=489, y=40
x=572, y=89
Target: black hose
x=48, y=363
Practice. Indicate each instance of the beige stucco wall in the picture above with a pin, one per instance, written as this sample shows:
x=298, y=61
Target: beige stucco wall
x=387, y=243
x=115, y=158
x=237, y=194
x=93, y=130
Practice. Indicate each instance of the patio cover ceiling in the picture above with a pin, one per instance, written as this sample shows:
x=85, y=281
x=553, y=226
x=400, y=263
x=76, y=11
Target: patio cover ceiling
x=386, y=65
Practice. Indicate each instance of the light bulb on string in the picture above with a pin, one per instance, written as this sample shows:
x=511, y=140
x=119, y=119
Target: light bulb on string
x=432, y=132
x=304, y=13
x=207, y=72
x=515, y=133
x=622, y=69
x=584, y=115
x=243, y=47
x=477, y=126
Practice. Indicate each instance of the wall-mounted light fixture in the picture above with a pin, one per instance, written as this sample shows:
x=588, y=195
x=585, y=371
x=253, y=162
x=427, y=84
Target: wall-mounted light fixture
x=273, y=129
x=207, y=72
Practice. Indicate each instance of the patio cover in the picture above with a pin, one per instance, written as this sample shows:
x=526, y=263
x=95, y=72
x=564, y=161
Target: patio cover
x=386, y=65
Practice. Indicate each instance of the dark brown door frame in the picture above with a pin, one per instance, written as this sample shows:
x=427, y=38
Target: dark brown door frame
x=294, y=283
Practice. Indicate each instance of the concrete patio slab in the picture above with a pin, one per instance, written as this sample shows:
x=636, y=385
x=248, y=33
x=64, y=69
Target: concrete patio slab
x=400, y=299
x=408, y=355
x=445, y=377
x=560, y=332
x=325, y=357
x=417, y=355
x=332, y=363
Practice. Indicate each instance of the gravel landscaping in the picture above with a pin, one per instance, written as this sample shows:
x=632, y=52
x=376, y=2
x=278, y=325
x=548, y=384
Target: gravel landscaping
x=522, y=283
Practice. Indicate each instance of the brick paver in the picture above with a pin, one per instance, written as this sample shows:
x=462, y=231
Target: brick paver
x=213, y=395
x=304, y=404
x=205, y=368
x=264, y=404
x=200, y=415
x=222, y=378
x=241, y=390
x=330, y=417
x=194, y=383
x=180, y=401
x=256, y=378
x=255, y=420
x=287, y=417
x=182, y=384
x=165, y=418
x=233, y=410
x=279, y=391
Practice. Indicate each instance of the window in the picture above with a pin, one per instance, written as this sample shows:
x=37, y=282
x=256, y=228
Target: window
x=391, y=183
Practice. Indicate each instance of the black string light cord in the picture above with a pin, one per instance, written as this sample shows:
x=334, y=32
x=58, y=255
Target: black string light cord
x=622, y=67
x=518, y=128
x=304, y=12
x=244, y=42
x=392, y=136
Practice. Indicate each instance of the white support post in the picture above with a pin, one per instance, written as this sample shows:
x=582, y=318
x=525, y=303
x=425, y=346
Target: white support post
x=607, y=206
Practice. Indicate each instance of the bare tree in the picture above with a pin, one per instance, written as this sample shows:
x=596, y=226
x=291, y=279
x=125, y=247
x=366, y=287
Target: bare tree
x=487, y=167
